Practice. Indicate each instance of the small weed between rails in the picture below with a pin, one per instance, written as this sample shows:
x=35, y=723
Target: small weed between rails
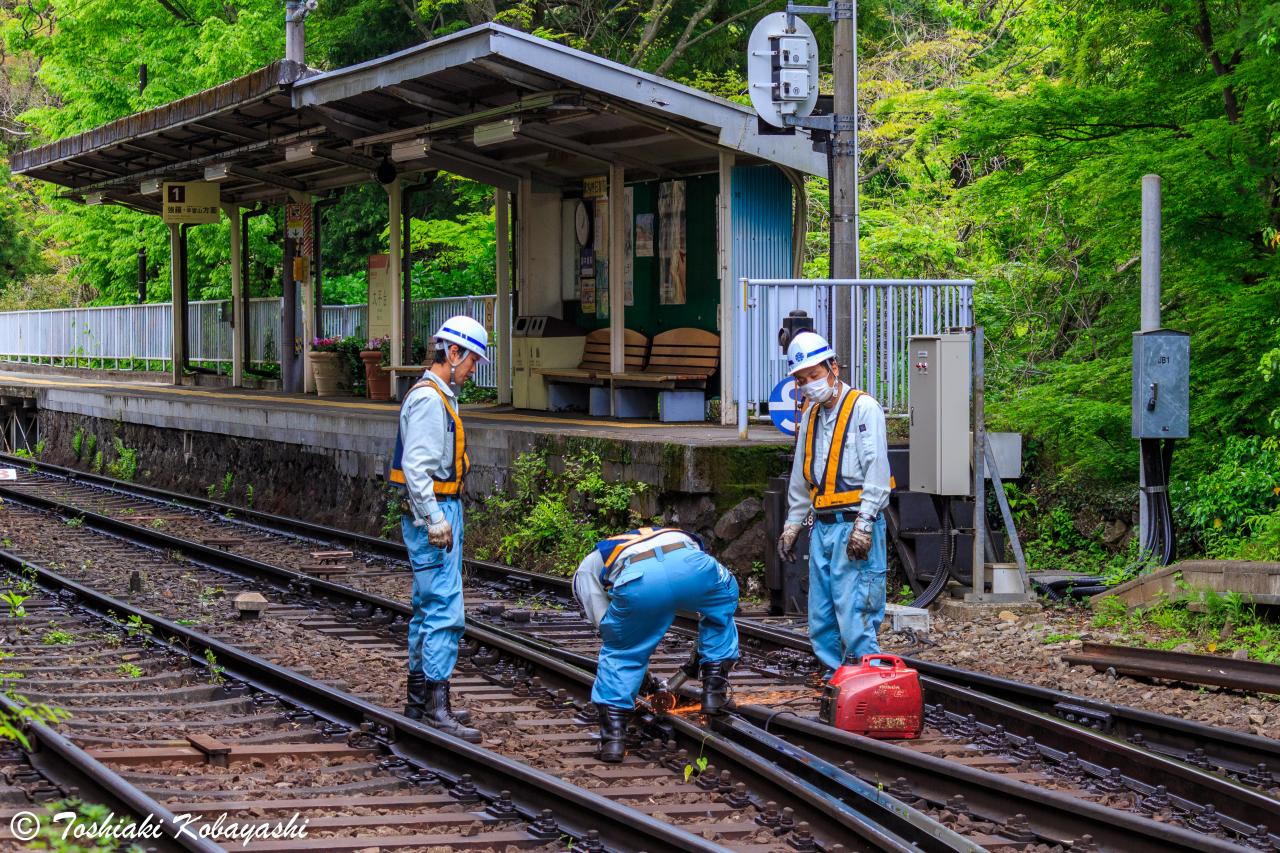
x=134, y=626
x=215, y=671
x=77, y=441
x=700, y=763
x=13, y=726
x=58, y=638
x=1060, y=638
x=15, y=600
x=248, y=496
x=129, y=670
x=73, y=522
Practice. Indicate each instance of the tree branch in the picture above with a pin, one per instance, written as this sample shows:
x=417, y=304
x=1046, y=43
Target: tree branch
x=1203, y=30
x=727, y=21
x=682, y=44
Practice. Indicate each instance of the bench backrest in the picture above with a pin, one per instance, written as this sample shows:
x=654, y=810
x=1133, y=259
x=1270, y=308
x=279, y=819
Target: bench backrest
x=595, y=350
x=685, y=351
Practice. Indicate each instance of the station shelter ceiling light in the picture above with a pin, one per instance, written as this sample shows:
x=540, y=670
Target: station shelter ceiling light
x=151, y=186
x=496, y=132
x=218, y=172
x=410, y=149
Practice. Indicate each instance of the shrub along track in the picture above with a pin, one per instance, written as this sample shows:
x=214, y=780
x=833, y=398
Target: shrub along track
x=528, y=605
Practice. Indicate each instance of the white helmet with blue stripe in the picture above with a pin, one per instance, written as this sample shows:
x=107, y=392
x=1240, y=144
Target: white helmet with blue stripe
x=807, y=349
x=467, y=333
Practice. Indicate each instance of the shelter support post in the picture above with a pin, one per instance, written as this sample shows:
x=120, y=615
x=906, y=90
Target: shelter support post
x=617, y=246
x=237, y=295
x=395, y=196
x=178, y=305
x=502, y=312
x=729, y=365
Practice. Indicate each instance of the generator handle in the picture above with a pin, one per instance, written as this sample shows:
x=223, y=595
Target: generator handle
x=894, y=660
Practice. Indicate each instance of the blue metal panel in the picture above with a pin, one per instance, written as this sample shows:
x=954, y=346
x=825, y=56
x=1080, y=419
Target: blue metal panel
x=761, y=214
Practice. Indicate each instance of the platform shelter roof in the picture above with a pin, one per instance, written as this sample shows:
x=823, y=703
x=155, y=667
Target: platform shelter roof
x=489, y=102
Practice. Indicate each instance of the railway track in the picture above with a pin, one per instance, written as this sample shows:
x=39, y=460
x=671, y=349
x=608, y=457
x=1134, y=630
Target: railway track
x=527, y=608
x=178, y=724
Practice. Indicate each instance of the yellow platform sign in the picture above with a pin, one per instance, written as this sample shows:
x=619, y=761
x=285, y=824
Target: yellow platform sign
x=191, y=202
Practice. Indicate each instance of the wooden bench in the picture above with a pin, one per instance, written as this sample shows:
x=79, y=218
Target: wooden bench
x=404, y=377
x=681, y=361
x=585, y=388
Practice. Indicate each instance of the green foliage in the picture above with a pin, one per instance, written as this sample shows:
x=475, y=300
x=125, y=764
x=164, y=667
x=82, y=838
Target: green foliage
x=77, y=441
x=1212, y=622
x=550, y=520
x=58, y=638
x=13, y=725
x=215, y=670
x=129, y=670
x=91, y=445
x=86, y=814
x=392, y=512
x=1233, y=509
x=248, y=495
x=97, y=462
x=15, y=600
x=125, y=465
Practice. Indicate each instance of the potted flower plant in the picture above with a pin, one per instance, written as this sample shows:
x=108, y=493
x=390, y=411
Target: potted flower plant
x=326, y=366
x=377, y=357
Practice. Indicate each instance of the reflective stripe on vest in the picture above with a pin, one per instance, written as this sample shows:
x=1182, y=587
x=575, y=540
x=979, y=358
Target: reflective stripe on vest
x=610, y=549
x=451, y=485
x=833, y=492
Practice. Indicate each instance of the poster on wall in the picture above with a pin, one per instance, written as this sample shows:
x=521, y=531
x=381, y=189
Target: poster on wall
x=587, y=263
x=602, y=290
x=588, y=296
x=379, y=325
x=644, y=235
x=671, y=245
x=629, y=248
x=600, y=230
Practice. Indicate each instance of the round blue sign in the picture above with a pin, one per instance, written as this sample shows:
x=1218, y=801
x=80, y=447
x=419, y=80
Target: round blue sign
x=782, y=406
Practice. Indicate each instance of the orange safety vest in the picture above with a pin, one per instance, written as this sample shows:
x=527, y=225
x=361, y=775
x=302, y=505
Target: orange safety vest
x=833, y=492
x=451, y=486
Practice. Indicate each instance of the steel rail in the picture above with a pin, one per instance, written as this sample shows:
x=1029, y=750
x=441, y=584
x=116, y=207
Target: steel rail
x=851, y=805
x=1050, y=814
x=844, y=820
x=1251, y=675
x=58, y=758
x=1241, y=809
x=577, y=810
x=1237, y=753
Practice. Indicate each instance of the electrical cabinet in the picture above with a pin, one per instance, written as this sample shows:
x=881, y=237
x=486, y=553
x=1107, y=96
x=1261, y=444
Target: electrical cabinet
x=540, y=342
x=938, y=400
x=1161, y=378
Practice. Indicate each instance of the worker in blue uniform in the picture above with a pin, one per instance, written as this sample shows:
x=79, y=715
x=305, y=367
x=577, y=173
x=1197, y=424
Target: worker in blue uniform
x=630, y=587
x=841, y=475
x=430, y=463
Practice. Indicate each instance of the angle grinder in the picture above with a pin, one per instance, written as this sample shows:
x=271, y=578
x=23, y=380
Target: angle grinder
x=669, y=689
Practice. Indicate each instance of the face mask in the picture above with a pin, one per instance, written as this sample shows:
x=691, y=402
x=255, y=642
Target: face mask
x=818, y=391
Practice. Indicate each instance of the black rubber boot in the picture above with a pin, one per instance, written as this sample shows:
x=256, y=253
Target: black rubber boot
x=715, y=685
x=613, y=733
x=440, y=717
x=416, y=699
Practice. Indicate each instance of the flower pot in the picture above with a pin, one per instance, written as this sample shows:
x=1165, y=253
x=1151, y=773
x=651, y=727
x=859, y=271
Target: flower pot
x=377, y=378
x=329, y=374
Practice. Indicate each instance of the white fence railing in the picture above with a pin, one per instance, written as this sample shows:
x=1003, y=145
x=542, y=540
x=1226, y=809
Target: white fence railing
x=129, y=336
x=885, y=313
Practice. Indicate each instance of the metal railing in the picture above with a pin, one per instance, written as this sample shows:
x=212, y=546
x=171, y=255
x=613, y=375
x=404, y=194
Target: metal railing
x=130, y=336
x=885, y=313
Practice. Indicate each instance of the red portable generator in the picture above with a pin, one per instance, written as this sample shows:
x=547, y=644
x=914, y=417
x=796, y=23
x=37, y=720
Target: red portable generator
x=878, y=697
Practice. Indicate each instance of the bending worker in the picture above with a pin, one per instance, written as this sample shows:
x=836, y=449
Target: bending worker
x=631, y=586
x=841, y=474
x=430, y=464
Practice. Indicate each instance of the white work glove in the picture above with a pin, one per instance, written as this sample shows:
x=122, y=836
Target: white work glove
x=787, y=543
x=859, y=544
x=440, y=534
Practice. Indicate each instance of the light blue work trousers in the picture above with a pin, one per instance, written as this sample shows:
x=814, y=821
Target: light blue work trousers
x=438, y=617
x=846, y=597
x=642, y=609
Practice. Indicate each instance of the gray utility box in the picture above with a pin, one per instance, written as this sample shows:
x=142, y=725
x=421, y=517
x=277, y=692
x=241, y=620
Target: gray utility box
x=1161, y=379
x=938, y=398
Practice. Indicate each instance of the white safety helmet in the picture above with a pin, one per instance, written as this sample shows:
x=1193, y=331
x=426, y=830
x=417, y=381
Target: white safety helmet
x=807, y=349
x=467, y=333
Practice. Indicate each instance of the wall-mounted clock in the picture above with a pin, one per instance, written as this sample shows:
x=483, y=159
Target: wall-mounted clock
x=582, y=223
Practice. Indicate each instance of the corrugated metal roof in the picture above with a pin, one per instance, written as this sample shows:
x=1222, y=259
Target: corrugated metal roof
x=577, y=114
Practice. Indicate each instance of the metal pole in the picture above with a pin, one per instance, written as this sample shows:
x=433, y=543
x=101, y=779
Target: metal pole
x=844, y=170
x=979, y=481
x=502, y=310
x=1150, y=308
x=237, y=296
x=177, y=304
x=740, y=344
x=394, y=199
x=295, y=37
x=289, y=319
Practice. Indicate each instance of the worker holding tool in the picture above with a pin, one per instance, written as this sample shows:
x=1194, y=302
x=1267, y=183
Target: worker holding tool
x=630, y=587
x=841, y=475
x=430, y=464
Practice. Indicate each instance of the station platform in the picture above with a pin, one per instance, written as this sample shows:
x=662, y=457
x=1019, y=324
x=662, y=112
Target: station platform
x=318, y=450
